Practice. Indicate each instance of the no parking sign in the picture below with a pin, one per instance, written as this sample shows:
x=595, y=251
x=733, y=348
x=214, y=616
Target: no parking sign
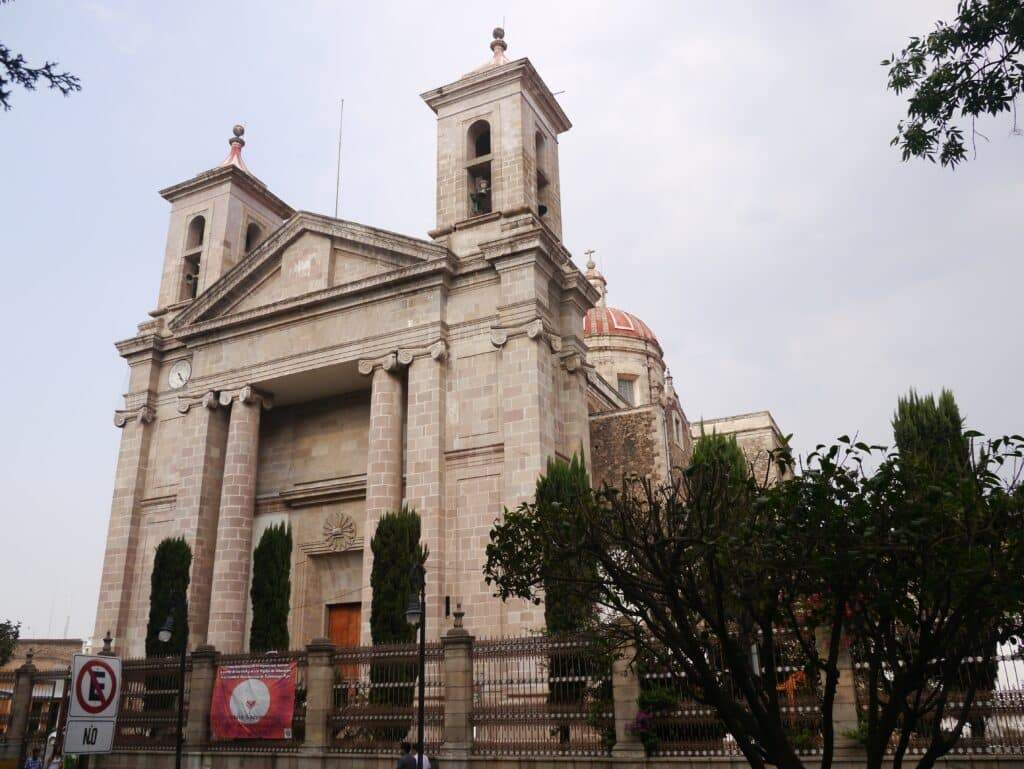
x=95, y=699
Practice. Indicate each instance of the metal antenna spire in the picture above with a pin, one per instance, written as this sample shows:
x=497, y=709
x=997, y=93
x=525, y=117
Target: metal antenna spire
x=337, y=181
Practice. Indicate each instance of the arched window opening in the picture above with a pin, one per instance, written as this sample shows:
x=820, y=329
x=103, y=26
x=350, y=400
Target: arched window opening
x=543, y=183
x=253, y=236
x=196, y=233
x=194, y=238
x=478, y=168
x=479, y=139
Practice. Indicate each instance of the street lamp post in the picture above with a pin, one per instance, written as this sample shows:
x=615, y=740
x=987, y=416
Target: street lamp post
x=416, y=615
x=164, y=636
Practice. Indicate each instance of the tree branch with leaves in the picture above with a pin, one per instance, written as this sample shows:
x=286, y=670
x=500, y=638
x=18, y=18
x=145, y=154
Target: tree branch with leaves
x=16, y=71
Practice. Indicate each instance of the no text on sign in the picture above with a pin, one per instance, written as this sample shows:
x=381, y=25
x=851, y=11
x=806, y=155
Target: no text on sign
x=96, y=688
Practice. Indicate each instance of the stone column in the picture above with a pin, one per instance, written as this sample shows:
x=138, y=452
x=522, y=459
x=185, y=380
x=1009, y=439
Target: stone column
x=21, y=704
x=383, y=461
x=458, y=694
x=424, y=465
x=527, y=414
x=319, y=693
x=201, y=471
x=625, y=690
x=123, y=531
x=230, y=582
x=200, y=697
x=844, y=708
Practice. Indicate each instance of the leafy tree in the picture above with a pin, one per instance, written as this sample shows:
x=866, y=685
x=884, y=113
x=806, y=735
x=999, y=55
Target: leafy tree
x=956, y=73
x=396, y=550
x=9, y=632
x=168, y=595
x=271, y=590
x=722, y=582
x=941, y=553
x=15, y=70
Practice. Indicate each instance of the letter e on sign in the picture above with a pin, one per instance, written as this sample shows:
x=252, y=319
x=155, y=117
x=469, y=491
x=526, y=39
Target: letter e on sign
x=96, y=687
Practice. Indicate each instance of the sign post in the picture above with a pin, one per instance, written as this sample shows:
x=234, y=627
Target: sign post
x=95, y=699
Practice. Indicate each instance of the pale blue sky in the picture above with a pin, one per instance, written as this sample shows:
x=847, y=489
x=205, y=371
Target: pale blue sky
x=728, y=162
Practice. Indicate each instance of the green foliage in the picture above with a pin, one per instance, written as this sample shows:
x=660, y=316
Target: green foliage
x=14, y=70
x=716, y=451
x=168, y=594
x=396, y=548
x=912, y=562
x=271, y=590
x=962, y=70
x=564, y=486
x=657, y=699
x=9, y=632
x=931, y=432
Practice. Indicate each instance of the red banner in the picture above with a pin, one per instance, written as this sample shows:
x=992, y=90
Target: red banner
x=253, y=701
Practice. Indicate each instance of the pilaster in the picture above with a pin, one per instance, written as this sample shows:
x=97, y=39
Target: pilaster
x=458, y=695
x=319, y=693
x=383, y=460
x=424, y=463
x=201, y=472
x=230, y=581
x=123, y=530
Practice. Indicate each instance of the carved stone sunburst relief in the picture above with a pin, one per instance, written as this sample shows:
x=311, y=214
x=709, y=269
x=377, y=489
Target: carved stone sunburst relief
x=339, y=531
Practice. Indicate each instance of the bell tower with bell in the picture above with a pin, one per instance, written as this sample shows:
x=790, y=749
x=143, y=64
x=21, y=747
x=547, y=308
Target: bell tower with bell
x=497, y=150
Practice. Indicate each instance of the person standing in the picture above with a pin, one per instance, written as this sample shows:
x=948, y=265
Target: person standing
x=34, y=762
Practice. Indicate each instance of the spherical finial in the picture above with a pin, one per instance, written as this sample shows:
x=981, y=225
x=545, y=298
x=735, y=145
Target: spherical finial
x=499, y=33
x=498, y=45
x=238, y=130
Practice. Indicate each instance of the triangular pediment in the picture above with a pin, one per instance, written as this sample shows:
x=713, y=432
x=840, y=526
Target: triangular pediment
x=305, y=257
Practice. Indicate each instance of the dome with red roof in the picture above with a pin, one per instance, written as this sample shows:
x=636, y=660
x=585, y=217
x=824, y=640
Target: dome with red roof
x=609, y=321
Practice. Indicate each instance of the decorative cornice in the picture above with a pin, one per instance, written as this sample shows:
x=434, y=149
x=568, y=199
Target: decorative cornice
x=437, y=351
x=247, y=394
x=221, y=174
x=344, y=489
x=207, y=399
x=387, y=362
x=144, y=413
x=533, y=329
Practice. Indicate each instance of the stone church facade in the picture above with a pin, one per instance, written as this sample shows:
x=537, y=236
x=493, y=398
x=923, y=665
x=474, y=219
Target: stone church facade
x=307, y=369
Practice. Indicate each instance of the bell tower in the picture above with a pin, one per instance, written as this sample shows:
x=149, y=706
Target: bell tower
x=497, y=148
x=217, y=218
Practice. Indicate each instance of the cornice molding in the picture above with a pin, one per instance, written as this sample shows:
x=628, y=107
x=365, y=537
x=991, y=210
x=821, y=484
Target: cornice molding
x=246, y=394
x=232, y=174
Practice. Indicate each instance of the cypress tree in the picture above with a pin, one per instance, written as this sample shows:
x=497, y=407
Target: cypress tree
x=271, y=590
x=721, y=451
x=168, y=594
x=396, y=548
x=930, y=433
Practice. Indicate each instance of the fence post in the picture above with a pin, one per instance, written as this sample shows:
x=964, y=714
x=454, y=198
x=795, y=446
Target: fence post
x=625, y=690
x=844, y=708
x=200, y=695
x=21, y=705
x=458, y=693
x=319, y=692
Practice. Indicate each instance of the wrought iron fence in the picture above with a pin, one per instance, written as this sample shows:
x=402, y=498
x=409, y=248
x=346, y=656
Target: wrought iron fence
x=374, y=704
x=148, y=715
x=674, y=722
x=49, y=695
x=541, y=696
x=995, y=719
x=293, y=739
x=6, y=701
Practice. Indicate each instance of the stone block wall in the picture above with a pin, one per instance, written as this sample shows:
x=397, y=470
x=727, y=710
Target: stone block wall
x=623, y=443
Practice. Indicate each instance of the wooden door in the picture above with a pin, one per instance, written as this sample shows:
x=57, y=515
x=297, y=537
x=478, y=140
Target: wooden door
x=343, y=624
x=343, y=630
